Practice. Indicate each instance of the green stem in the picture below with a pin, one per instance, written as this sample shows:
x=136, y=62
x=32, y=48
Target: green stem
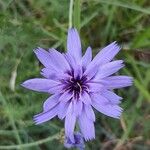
x=77, y=14
x=70, y=13
x=56, y=136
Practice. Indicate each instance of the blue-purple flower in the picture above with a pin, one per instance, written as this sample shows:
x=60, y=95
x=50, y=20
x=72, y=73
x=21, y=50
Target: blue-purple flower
x=78, y=84
x=78, y=141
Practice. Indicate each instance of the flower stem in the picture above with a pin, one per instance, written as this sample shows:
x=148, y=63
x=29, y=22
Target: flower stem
x=27, y=145
x=70, y=13
x=77, y=14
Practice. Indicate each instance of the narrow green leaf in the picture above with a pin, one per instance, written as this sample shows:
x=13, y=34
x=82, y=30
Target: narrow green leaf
x=76, y=14
x=125, y=5
x=142, y=89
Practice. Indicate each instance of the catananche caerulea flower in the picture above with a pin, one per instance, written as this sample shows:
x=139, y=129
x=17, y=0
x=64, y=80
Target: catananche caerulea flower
x=78, y=84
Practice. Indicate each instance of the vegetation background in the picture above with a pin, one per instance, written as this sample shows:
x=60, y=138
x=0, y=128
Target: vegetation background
x=27, y=24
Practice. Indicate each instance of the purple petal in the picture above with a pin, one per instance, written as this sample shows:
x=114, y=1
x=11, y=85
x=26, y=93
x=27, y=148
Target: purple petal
x=56, y=89
x=86, y=126
x=58, y=60
x=49, y=73
x=95, y=87
x=39, y=84
x=62, y=107
x=91, y=72
x=85, y=98
x=86, y=59
x=77, y=71
x=46, y=115
x=53, y=74
x=104, y=56
x=65, y=97
x=115, y=82
x=71, y=60
x=74, y=44
x=43, y=57
x=111, y=96
x=77, y=107
x=89, y=112
x=76, y=66
x=70, y=122
x=109, y=69
x=51, y=102
x=105, y=106
x=50, y=59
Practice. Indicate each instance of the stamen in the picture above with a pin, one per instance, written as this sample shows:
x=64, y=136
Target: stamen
x=76, y=86
x=79, y=87
x=71, y=79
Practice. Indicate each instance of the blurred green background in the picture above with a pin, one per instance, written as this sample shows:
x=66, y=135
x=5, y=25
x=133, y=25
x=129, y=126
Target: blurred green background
x=26, y=24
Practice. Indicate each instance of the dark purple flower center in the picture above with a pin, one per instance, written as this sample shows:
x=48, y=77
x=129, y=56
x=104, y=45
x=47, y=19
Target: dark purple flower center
x=76, y=85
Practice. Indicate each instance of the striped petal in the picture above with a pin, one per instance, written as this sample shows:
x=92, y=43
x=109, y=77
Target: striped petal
x=89, y=112
x=40, y=85
x=104, y=56
x=50, y=59
x=46, y=115
x=86, y=126
x=51, y=102
x=111, y=96
x=74, y=44
x=104, y=106
x=62, y=107
x=109, y=69
x=70, y=122
x=116, y=82
x=86, y=59
x=85, y=98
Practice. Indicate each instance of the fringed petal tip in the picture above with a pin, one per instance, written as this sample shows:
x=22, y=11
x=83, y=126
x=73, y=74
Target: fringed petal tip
x=115, y=43
x=106, y=107
x=116, y=82
x=118, y=113
x=38, y=49
x=45, y=115
x=35, y=50
x=38, y=119
x=131, y=79
x=118, y=116
x=115, y=116
x=89, y=138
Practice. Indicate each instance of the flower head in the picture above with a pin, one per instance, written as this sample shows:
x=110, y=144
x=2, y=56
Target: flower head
x=79, y=84
x=78, y=141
